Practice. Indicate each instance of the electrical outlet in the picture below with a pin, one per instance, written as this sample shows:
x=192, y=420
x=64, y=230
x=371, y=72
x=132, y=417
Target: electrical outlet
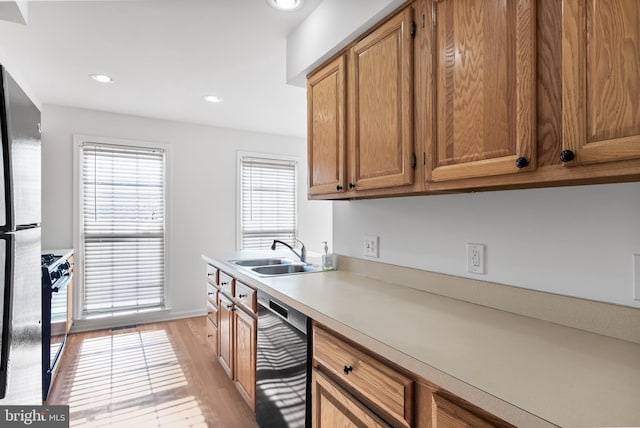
x=475, y=258
x=371, y=244
x=636, y=276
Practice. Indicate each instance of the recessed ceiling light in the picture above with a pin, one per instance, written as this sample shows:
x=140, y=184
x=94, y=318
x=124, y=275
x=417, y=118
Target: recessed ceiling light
x=212, y=98
x=102, y=78
x=287, y=5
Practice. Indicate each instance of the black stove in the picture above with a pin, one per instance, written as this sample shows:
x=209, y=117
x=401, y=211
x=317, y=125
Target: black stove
x=56, y=276
x=53, y=269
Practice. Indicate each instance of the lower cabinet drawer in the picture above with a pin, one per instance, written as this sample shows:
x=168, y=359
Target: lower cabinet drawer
x=212, y=336
x=246, y=296
x=212, y=275
x=227, y=283
x=334, y=407
x=373, y=381
x=447, y=413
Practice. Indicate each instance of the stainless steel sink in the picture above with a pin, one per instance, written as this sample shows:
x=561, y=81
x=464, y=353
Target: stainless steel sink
x=285, y=269
x=262, y=262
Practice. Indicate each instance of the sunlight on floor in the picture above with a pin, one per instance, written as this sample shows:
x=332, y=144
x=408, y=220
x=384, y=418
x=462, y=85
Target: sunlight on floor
x=131, y=379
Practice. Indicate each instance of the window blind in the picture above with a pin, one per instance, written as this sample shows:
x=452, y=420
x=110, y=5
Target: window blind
x=268, y=202
x=123, y=227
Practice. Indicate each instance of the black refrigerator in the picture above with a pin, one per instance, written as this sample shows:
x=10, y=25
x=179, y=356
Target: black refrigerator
x=20, y=276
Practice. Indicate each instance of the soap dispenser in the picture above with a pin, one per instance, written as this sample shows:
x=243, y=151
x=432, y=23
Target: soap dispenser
x=328, y=260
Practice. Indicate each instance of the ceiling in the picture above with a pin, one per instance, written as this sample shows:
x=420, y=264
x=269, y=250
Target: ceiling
x=164, y=56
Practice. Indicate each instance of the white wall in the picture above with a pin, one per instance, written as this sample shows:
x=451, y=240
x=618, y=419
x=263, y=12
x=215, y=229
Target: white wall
x=203, y=188
x=575, y=241
x=329, y=28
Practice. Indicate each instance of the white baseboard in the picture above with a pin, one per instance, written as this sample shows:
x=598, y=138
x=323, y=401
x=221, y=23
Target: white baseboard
x=125, y=320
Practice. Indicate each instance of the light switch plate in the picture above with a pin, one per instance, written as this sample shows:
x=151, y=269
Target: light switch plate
x=371, y=246
x=636, y=277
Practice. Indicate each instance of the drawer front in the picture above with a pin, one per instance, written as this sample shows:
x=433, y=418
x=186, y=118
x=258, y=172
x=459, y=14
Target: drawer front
x=212, y=294
x=376, y=382
x=246, y=296
x=212, y=336
x=227, y=283
x=212, y=313
x=212, y=275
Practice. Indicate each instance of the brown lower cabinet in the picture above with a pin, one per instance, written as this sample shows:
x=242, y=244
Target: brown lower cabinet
x=352, y=386
x=245, y=355
x=232, y=329
x=225, y=334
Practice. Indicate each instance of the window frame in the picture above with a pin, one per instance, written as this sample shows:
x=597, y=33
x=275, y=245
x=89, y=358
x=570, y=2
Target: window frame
x=78, y=223
x=269, y=156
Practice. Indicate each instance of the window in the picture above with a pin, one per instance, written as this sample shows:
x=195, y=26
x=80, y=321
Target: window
x=268, y=208
x=122, y=197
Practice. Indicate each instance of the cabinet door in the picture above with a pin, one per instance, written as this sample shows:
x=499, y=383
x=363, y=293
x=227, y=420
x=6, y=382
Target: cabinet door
x=600, y=80
x=225, y=332
x=381, y=106
x=212, y=336
x=334, y=407
x=326, y=112
x=485, y=99
x=245, y=356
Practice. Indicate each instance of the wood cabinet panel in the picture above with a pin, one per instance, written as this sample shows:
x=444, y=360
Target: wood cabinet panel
x=227, y=283
x=376, y=382
x=212, y=313
x=246, y=297
x=212, y=275
x=601, y=80
x=450, y=415
x=334, y=407
x=484, y=65
x=381, y=106
x=326, y=121
x=225, y=333
x=212, y=336
x=245, y=356
x=70, y=295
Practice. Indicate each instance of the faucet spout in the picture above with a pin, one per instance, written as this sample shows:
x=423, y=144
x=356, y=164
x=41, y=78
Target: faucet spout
x=303, y=251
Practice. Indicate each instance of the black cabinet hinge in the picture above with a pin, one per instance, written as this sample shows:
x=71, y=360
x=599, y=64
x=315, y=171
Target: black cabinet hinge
x=413, y=160
x=412, y=29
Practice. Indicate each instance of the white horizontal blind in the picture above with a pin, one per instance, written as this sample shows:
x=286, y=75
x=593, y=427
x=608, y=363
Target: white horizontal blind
x=268, y=202
x=123, y=227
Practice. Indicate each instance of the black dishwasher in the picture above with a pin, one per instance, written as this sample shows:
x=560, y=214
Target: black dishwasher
x=283, y=365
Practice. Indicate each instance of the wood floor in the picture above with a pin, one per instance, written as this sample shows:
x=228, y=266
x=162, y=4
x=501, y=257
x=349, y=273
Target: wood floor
x=156, y=375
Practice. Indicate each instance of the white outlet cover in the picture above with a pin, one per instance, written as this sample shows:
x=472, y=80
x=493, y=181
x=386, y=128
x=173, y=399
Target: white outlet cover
x=636, y=277
x=371, y=246
x=475, y=258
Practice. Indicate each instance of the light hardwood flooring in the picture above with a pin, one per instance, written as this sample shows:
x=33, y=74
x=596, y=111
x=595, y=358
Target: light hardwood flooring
x=156, y=375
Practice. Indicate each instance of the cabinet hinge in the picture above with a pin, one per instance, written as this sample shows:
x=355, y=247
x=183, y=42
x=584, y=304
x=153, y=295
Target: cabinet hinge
x=413, y=160
x=412, y=29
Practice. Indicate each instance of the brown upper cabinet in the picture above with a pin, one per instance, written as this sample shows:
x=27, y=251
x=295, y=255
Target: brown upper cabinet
x=484, y=88
x=600, y=81
x=381, y=106
x=491, y=94
x=326, y=111
x=361, y=105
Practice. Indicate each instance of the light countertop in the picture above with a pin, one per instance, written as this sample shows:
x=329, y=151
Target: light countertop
x=526, y=371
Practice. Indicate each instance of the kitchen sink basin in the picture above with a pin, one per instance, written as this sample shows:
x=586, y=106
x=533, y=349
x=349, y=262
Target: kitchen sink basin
x=284, y=269
x=262, y=262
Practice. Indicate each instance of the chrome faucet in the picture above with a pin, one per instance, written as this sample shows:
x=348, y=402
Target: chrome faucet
x=303, y=251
